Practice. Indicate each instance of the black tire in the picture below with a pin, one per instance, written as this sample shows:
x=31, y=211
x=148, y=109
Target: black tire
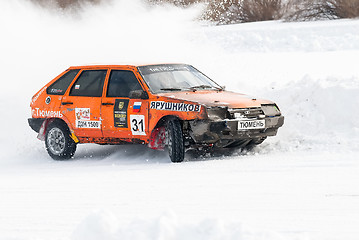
x=58, y=142
x=174, y=139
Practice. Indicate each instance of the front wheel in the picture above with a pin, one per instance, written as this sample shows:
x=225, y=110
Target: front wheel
x=58, y=142
x=175, y=142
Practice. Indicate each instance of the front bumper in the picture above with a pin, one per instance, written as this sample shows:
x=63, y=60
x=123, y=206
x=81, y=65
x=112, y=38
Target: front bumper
x=208, y=132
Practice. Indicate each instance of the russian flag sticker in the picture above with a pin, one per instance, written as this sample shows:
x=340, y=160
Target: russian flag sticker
x=136, y=106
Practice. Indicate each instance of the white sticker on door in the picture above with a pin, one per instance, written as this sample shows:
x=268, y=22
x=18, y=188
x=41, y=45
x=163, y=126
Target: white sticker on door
x=137, y=124
x=82, y=113
x=88, y=124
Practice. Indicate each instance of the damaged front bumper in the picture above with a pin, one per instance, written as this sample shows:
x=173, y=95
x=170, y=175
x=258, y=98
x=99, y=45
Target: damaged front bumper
x=224, y=132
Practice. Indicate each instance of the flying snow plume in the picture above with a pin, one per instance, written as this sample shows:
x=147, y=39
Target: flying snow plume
x=37, y=44
x=113, y=32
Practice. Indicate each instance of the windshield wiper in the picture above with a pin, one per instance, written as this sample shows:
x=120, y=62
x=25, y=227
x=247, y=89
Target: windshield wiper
x=171, y=89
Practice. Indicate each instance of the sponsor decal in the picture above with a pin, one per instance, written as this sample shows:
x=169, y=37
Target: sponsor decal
x=137, y=106
x=83, y=119
x=38, y=95
x=55, y=90
x=171, y=106
x=120, y=105
x=88, y=124
x=48, y=100
x=163, y=68
x=82, y=113
x=167, y=68
x=120, y=113
x=137, y=124
x=37, y=112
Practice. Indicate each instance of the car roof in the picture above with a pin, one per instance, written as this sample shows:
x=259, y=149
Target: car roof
x=129, y=65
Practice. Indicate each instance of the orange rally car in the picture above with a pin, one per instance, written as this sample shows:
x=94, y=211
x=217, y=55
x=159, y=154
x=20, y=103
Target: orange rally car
x=171, y=106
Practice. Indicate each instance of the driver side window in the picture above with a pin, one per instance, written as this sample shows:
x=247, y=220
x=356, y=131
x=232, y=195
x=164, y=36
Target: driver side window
x=121, y=83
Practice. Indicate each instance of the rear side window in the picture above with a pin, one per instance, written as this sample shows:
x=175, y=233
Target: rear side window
x=89, y=83
x=60, y=86
x=121, y=83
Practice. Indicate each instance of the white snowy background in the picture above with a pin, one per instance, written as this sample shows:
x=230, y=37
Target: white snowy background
x=302, y=184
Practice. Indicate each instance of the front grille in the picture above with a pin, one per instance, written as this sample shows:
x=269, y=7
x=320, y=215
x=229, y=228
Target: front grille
x=245, y=112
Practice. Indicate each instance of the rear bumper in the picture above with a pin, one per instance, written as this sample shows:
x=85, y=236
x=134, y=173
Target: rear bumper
x=207, y=132
x=35, y=123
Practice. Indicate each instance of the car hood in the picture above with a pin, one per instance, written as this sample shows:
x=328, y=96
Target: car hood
x=217, y=98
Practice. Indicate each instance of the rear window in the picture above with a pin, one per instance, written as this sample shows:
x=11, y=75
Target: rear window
x=60, y=86
x=89, y=83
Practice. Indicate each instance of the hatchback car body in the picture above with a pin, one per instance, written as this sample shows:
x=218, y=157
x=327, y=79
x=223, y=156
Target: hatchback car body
x=171, y=106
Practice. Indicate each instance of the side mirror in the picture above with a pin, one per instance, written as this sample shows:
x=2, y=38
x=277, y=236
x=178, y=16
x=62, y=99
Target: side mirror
x=138, y=94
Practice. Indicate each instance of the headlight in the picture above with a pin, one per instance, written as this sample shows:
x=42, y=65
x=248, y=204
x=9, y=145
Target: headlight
x=271, y=110
x=217, y=113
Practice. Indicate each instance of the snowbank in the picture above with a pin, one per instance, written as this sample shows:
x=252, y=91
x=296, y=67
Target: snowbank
x=320, y=114
x=269, y=36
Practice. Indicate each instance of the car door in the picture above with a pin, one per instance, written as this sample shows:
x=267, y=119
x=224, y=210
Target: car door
x=82, y=103
x=123, y=117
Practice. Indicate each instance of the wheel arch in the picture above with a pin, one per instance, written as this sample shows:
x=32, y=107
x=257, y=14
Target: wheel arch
x=162, y=122
x=46, y=123
x=156, y=138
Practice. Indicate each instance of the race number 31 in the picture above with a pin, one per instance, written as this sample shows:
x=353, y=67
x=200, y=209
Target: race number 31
x=137, y=124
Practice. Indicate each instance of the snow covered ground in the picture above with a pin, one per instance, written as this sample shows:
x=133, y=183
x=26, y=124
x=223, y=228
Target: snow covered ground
x=301, y=184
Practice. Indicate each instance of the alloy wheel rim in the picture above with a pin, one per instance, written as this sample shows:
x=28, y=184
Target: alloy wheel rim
x=56, y=141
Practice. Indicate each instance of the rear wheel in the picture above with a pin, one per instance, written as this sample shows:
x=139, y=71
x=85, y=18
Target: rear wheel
x=174, y=137
x=58, y=142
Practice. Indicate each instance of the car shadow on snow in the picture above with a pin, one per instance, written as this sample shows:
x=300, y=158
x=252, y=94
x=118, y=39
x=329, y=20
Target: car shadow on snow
x=141, y=154
x=218, y=154
x=126, y=154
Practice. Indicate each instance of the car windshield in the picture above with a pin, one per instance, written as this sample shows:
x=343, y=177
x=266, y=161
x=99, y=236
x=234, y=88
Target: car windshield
x=175, y=77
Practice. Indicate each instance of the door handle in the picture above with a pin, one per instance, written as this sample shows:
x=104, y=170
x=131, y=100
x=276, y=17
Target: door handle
x=67, y=103
x=107, y=103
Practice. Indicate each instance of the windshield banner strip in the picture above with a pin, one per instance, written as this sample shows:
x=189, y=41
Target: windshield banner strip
x=171, y=106
x=163, y=68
